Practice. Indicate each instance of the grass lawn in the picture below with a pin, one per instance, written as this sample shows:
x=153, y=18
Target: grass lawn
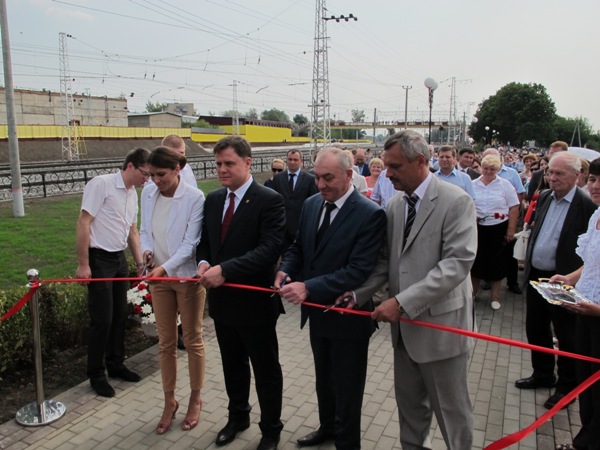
x=45, y=238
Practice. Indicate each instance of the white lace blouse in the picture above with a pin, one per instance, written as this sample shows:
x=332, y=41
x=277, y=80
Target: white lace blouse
x=588, y=247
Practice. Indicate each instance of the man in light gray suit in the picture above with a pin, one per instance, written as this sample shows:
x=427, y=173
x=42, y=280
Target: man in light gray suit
x=431, y=246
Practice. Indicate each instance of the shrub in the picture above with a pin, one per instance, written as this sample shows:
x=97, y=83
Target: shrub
x=63, y=323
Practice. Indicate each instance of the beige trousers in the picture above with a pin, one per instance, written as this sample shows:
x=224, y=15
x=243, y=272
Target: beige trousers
x=169, y=298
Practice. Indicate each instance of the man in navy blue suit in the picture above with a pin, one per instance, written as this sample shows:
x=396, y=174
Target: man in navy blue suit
x=339, y=238
x=295, y=186
x=242, y=235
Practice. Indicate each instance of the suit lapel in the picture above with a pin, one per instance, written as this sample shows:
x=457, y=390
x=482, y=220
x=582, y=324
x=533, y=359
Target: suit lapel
x=338, y=220
x=572, y=215
x=241, y=210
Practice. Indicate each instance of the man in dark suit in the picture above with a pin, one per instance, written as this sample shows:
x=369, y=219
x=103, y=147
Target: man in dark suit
x=562, y=214
x=242, y=235
x=465, y=160
x=536, y=177
x=338, y=242
x=295, y=186
x=360, y=161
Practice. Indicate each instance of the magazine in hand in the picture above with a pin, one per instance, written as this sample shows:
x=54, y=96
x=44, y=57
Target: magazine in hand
x=557, y=293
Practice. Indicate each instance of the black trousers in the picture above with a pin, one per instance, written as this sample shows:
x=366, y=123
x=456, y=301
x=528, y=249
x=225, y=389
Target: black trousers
x=107, y=307
x=540, y=316
x=341, y=371
x=588, y=344
x=258, y=345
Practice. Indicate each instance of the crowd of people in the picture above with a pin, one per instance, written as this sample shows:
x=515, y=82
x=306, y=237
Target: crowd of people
x=420, y=231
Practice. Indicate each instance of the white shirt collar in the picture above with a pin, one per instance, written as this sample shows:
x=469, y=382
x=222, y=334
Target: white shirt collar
x=241, y=191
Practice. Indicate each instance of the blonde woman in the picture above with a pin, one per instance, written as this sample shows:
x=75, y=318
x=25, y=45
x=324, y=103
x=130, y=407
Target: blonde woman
x=497, y=212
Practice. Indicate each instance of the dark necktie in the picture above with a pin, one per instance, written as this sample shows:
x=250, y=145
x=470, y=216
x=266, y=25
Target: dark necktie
x=291, y=182
x=326, y=221
x=410, y=216
x=228, y=216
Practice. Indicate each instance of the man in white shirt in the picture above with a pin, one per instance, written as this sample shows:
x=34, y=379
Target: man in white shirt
x=106, y=225
x=177, y=144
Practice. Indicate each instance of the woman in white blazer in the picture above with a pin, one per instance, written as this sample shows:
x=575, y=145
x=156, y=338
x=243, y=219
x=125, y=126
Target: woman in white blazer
x=172, y=213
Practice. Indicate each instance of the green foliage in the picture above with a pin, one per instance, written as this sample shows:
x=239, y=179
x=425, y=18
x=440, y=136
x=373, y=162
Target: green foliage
x=155, y=107
x=251, y=114
x=63, y=322
x=276, y=115
x=300, y=119
x=201, y=123
x=565, y=131
x=518, y=112
x=358, y=115
x=301, y=125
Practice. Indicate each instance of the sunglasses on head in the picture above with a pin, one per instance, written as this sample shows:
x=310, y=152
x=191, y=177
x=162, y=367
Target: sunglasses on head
x=276, y=170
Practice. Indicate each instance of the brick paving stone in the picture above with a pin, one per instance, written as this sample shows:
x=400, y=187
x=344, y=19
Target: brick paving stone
x=128, y=420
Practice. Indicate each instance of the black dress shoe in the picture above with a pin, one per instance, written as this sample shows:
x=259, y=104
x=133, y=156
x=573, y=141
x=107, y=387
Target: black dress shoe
x=102, y=387
x=268, y=443
x=228, y=433
x=534, y=383
x=124, y=374
x=554, y=399
x=315, y=438
x=515, y=288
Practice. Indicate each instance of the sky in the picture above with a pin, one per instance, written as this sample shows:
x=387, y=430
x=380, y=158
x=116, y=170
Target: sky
x=195, y=51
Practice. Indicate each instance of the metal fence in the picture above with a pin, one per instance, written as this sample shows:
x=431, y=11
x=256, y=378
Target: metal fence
x=47, y=180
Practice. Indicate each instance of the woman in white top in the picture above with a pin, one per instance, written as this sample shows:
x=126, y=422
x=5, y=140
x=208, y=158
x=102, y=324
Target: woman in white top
x=497, y=212
x=172, y=214
x=587, y=332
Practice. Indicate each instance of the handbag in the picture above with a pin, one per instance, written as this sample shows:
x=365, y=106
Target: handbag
x=522, y=240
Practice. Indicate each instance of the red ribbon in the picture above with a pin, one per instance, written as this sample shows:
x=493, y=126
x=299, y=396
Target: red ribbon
x=497, y=445
x=17, y=306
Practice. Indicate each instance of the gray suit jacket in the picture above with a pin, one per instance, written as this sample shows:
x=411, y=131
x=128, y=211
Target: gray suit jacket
x=430, y=276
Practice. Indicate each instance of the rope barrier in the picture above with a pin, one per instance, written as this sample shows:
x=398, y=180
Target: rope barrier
x=497, y=445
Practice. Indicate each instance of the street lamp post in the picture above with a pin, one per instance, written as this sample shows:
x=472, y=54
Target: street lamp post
x=431, y=86
x=487, y=135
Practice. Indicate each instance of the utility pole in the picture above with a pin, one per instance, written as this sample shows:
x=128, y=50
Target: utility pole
x=70, y=146
x=236, y=114
x=13, y=142
x=374, y=122
x=406, y=88
x=320, y=127
x=319, y=124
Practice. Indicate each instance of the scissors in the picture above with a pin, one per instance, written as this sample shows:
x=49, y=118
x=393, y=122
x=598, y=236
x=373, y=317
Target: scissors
x=345, y=300
x=281, y=285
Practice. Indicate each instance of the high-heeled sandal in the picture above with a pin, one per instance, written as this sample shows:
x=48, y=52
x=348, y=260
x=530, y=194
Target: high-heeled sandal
x=163, y=427
x=189, y=424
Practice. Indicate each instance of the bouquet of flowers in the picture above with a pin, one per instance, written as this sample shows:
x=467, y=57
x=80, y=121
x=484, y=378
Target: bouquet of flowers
x=141, y=300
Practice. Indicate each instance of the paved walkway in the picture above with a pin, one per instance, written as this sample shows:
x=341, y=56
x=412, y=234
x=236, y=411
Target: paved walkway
x=128, y=420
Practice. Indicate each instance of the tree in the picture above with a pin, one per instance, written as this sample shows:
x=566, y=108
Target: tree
x=300, y=119
x=517, y=112
x=301, y=125
x=155, y=107
x=275, y=115
x=565, y=131
x=358, y=115
x=200, y=123
x=251, y=114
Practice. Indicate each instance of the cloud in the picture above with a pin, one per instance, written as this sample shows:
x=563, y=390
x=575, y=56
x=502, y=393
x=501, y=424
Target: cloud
x=61, y=10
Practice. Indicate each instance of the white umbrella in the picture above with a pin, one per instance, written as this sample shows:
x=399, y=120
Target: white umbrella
x=586, y=153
